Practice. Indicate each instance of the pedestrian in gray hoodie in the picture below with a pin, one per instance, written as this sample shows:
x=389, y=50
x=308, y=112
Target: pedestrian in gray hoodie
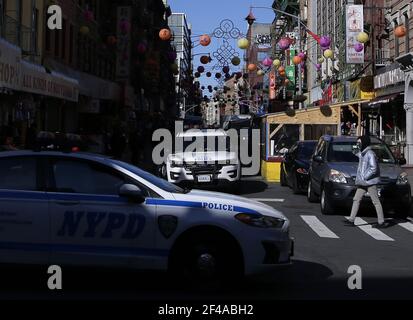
x=368, y=177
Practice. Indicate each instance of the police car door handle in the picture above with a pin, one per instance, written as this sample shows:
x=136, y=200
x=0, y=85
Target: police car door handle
x=67, y=202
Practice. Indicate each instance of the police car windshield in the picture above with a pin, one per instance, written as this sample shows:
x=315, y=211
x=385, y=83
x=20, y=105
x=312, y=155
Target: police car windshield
x=158, y=182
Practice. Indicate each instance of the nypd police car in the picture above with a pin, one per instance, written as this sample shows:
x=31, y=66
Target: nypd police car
x=88, y=210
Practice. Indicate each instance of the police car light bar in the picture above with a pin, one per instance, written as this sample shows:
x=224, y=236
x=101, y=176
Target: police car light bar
x=406, y=62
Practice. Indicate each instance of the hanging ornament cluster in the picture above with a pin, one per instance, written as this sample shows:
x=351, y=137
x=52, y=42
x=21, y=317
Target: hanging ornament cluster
x=243, y=43
x=165, y=34
x=205, y=40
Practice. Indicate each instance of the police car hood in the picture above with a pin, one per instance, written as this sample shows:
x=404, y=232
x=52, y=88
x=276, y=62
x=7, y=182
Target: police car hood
x=203, y=156
x=229, y=199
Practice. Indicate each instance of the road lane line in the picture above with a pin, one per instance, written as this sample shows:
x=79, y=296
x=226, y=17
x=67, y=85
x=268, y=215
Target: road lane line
x=407, y=225
x=372, y=232
x=319, y=227
x=268, y=200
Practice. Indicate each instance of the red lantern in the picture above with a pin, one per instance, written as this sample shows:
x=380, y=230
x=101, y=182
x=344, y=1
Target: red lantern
x=297, y=60
x=400, y=31
x=205, y=40
x=111, y=40
x=165, y=34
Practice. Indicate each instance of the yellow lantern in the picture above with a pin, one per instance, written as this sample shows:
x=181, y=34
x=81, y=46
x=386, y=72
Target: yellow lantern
x=320, y=60
x=362, y=37
x=243, y=43
x=328, y=54
x=84, y=30
x=260, y=72
x=276, y=63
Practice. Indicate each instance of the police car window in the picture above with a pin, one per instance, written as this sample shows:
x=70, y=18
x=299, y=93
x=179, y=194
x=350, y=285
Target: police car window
x=18, y=174
x=82, y=177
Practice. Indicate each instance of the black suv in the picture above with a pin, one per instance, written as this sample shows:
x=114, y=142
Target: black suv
x=333, y=171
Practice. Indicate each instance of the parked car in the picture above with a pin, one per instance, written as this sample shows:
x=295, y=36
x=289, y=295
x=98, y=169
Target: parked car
x=333, y=171
x=296, y=164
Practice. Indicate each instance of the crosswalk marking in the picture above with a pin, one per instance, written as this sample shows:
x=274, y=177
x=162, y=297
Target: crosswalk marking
x=372, y=232
x=268, y=200
x=319, y=227
x=407, y=225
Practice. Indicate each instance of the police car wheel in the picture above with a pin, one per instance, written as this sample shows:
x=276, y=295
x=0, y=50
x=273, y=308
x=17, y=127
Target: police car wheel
x=326, y=205
x=311, y=196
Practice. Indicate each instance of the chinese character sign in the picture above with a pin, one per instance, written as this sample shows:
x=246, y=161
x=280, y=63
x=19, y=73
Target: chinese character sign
x=354, y=25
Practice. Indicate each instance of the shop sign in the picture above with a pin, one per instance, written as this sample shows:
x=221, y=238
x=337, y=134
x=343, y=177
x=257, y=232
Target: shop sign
x=35, y=79
x=261, y=35
x=368, y=95
x=10, y=57
x=354, y=25
x=389, y=78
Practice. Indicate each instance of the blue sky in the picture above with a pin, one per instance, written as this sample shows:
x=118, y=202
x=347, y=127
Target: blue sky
x=205, y=16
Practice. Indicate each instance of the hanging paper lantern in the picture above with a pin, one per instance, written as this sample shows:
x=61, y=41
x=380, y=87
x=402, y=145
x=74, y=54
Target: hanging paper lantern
x=84, y=30
x=205, y=40
x=358, y=47
x=320, y=60
x=318, y=66
x=111, y=40
x=281, y=69
x=400, y=31
x=172, y=56
x=276, y=63
x=252, y=67
x=302, y=55
x=362, y=37
x=209, y=74
x=328, y=54
x=204, y=59
x=165, y=34
x=236, y=61
x=260, y=72
x=227, y=76
x=225, y=69
x=197, y=74
x=297, y=60
x=141, y=48
x=218, y=75
x=286, y=82
x=325, y=41
x=284, y=43
x=267, y=62
x=243, y=43
x=201, y=69
x=125, y=26
x=88, y=15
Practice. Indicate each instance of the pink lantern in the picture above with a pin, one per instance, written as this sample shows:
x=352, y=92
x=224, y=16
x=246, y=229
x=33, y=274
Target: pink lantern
x=325, y=42
x=318, y=66
x=141, y=48
x=125, y=26
x=302, y=55
x=358, y=47
x=88, y=15
x=284, y=43
x=172, y=56
x=267, y=62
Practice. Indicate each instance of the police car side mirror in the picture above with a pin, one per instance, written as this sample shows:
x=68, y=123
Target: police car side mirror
x=132, y=192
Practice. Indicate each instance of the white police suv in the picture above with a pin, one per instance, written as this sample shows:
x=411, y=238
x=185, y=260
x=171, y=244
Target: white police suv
x=81, y=209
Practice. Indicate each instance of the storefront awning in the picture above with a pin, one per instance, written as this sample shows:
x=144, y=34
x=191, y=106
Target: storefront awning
x=384, y=99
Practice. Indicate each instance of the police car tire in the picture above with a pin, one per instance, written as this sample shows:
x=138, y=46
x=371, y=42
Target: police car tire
x=311, y=196
x=228, y=268
x=326, y=206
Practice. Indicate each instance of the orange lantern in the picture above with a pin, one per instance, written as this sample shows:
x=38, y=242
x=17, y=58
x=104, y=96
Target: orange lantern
x=281, y=69
x=297, y=60
x=205, y=40
x=400, y=31
x=165, y=34
x=252, y=67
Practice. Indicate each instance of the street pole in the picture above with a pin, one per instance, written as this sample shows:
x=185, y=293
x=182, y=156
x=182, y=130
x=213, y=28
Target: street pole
x=300, y=79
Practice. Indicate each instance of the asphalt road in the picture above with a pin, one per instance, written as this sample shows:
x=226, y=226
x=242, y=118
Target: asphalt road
x=324, y=250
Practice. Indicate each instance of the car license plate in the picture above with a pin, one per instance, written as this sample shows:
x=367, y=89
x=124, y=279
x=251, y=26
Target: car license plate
x=204, y=178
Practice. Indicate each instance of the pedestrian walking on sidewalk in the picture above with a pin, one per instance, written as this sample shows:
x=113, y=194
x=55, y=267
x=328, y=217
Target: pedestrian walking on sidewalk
x=368, y=177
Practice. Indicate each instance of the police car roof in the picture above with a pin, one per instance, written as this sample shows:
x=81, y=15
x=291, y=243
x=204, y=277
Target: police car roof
x=348, y=139
x=202, y=133
x=78, y=155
